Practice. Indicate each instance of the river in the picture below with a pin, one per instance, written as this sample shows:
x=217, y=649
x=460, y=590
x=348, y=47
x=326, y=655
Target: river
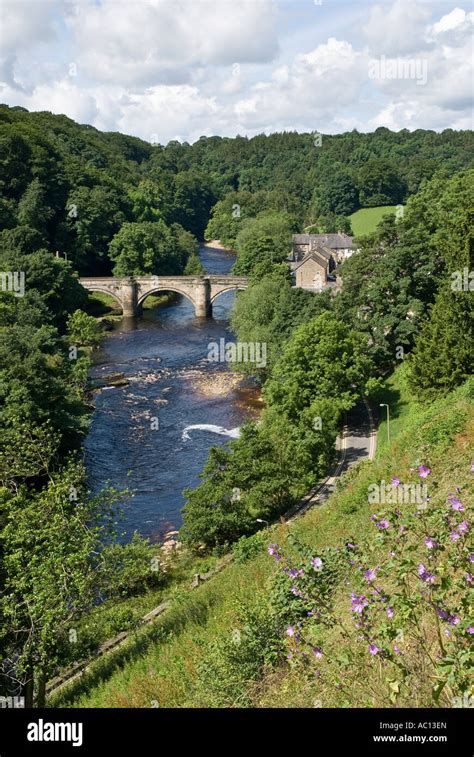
x=139, y=437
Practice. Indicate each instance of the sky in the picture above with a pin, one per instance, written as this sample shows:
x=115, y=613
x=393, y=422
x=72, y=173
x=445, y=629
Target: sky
x=180, y=69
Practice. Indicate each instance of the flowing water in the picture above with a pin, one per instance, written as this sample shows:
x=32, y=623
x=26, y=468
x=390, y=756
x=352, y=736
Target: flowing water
x=152, y=436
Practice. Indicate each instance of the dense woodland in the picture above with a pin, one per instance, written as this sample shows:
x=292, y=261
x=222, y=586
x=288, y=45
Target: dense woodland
x=109, y=203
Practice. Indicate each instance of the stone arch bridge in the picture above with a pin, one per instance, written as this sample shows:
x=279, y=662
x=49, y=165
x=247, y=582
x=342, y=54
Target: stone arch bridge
x=131, y=291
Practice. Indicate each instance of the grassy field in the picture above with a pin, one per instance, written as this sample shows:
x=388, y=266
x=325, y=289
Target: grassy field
x=217, y=646
x=365, y=220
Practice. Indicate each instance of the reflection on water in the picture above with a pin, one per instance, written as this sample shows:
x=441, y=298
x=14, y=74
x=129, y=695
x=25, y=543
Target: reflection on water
x=136, y=437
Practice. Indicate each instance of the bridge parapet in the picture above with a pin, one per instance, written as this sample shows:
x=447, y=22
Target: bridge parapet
x=131, y=291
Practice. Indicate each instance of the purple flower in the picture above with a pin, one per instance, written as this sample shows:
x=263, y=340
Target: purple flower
x=293, y=573
x=317, y=651
x=350, y=546
x=395, y=481
x=456, y=503
x=472, y=467
x=273, y=551
x=396, y=649
x=429, y=578
x=454, y=620
x=370, y=575
x=423, y=471
x=454, y=536
x=295, y=591
x=358, y=603
x=430, y=543
x=468, y=578
x=290, y=631
x=463, y=527
x=390, y=612
x=317, y=563
x=442, y=613
x=373, y=649
x=470, y=629
x=383, y=524
x=471, y=557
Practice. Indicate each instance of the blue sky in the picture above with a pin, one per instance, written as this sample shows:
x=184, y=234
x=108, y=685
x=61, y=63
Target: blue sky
x=178, y=69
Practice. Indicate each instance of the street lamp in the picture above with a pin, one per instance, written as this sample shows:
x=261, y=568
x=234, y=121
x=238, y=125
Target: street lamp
x=384, y=404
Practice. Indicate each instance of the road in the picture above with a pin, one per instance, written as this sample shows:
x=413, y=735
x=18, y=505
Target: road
x=357, y=442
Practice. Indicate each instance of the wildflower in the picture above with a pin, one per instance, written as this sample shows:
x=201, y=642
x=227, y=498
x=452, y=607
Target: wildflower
x=396, y=649
x=423, y=471
x=295, y=591
x=470, y=629
x=471, y=557
x=429, y=578
x=370, y=575
x=358, y=603
x=273, y=551
x=456, y=503
x=395, y=481
x=373, y=649
x=290, y=631
x=390, y=612
x=441, y=613
x=350, y=546
x=454, y=536
x=472, y=467
x=463, y=527
x=383, y=524
x=454, y=620
x=430, y=542
x=317, y=563
x=293, y=573
x=468, y=578
x=317, y=652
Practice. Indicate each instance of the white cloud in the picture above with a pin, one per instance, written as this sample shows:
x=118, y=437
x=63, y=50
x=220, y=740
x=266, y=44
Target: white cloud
x=141, y=44
x=161, y=69
x=398, y=29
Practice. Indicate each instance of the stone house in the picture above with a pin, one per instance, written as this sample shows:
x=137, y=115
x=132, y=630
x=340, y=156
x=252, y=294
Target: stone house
x=312, y=271
x=339, y=246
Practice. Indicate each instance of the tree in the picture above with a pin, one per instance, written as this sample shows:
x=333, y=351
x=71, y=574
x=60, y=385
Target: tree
x=145, y=248
x=194, y=267
x=33, y=211
x=83, y=329
x=323, y=359
x=50, y=576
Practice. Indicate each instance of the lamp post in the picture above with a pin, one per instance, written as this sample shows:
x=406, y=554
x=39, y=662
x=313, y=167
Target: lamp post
x=384, y=404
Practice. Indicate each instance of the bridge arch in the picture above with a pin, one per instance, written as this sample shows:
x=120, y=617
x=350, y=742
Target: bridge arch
x=105, y=290
x=164, y=288
x=232, y=288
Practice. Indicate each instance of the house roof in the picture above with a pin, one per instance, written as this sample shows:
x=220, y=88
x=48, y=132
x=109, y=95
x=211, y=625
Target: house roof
x=314, y=255
x=333, y=241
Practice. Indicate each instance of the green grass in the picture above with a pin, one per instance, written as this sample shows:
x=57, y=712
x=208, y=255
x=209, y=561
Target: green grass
x=365, y=220
x=174, y=662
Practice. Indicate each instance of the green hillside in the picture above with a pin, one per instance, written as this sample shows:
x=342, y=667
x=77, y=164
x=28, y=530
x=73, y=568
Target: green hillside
x=365, y=220
x=226, y=644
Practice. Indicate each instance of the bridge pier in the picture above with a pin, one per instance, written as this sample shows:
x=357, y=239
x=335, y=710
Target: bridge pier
x=129, y=299
x=202, y=299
